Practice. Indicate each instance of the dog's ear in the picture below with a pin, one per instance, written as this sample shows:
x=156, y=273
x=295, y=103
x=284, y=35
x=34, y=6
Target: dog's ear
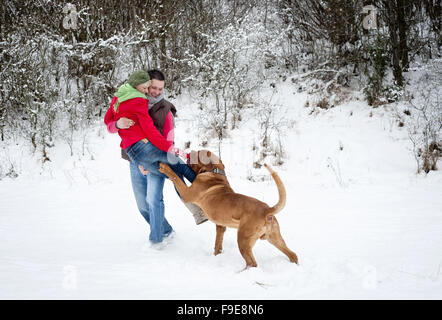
x=205, y=157
x=205, y=161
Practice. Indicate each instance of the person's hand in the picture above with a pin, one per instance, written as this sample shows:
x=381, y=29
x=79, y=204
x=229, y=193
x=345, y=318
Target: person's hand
x=125, y=123
x=180, y=153
x=144, y=172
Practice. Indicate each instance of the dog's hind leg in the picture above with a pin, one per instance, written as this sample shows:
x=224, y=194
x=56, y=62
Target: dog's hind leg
x=219, y=239
x=273, y=235
x=245, y=244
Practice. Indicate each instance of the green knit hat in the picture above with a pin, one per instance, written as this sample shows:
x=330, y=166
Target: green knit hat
x=138, y=77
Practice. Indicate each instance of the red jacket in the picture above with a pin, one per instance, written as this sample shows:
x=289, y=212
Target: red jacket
x=137, y=110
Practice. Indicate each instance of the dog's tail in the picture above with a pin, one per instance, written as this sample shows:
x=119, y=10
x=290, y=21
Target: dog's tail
x=281, y=190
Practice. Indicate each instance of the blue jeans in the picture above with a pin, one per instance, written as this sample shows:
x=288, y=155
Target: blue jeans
x=148, y=191
x=149, y=156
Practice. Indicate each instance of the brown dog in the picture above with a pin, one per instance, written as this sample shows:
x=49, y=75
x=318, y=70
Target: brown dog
x=211, y=191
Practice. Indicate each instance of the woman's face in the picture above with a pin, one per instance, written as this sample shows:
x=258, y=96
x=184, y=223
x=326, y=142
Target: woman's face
x=143, y=87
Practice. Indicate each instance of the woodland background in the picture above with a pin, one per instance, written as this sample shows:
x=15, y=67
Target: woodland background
x=60, y=62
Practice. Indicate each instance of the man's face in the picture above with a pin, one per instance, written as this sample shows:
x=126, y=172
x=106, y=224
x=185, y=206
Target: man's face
x=156, y=88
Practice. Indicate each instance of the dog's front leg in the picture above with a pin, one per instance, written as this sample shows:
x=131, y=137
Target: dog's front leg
x=182, y=188
x=219, y=239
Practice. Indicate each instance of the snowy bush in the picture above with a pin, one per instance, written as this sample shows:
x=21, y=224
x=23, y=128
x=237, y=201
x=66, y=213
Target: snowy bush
x=376, y=71
x=273, y=126
x=424, y=123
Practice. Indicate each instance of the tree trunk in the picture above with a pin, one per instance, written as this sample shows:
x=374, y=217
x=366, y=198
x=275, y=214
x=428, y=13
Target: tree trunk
x=433, y=9
x=163, y=35
x=392, y=22
x=403, y=6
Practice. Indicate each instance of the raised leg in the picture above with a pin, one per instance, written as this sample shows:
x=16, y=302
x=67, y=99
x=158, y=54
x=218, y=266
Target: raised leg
x=182, y=188
x=275, y=238
x=219, y=239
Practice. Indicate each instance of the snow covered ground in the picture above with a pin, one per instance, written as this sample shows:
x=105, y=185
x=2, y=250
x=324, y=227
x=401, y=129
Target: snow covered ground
x=362, y=223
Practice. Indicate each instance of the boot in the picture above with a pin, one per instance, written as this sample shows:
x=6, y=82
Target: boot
x=197, y=213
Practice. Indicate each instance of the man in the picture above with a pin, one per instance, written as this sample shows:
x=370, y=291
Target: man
x=148, y=188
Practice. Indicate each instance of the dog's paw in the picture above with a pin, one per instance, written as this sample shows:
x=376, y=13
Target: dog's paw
x=294, y=259
x=248, y=267
x=164, y=168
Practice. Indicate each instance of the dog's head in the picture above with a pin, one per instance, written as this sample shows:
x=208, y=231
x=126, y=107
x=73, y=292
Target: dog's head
x=204, y=161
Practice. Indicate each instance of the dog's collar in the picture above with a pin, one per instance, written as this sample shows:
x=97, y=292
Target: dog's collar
x=219, y=171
